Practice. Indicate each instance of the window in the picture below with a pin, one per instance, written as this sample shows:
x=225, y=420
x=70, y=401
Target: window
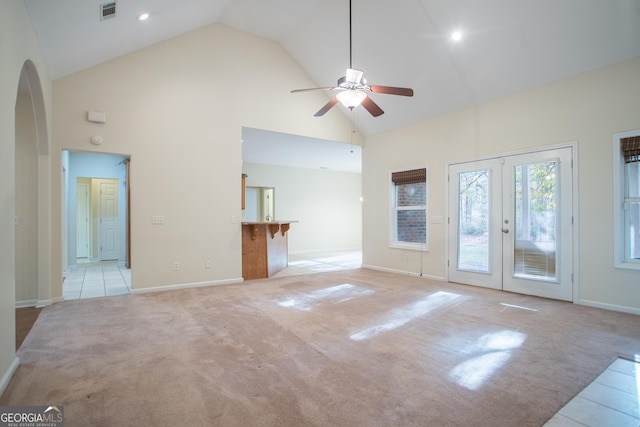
x=409, y=209
x=627, y=199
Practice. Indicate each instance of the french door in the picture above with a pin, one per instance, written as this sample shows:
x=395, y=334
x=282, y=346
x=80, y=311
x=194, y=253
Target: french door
x=511, y=223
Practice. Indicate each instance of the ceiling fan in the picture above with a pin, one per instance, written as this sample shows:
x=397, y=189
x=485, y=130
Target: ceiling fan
x=353, y=88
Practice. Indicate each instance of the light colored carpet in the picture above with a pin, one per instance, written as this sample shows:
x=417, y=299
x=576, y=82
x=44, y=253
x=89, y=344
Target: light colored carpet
x=348, y=348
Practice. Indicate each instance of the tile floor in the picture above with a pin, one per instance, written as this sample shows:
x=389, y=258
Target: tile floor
x=96, y=279
x=612, y=399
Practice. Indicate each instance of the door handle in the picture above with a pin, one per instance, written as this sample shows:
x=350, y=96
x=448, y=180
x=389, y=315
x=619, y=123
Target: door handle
x=505, y=230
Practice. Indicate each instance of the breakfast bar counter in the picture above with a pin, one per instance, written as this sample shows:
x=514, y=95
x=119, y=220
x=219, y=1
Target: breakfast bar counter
x=264, y=248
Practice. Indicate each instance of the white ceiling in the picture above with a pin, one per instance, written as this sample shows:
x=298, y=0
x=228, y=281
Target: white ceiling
x=273, y=148
x=508, y=45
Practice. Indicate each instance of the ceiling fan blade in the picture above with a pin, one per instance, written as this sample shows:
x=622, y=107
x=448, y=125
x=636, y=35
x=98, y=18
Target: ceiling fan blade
x=326, y=107
x=312, y=88
x=403, y=91
x=372, y=107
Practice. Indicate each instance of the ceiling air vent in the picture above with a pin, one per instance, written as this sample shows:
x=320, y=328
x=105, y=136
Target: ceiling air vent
x=107, y=10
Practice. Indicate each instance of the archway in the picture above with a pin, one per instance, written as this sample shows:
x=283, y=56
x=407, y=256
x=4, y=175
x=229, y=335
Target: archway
x=32, y=207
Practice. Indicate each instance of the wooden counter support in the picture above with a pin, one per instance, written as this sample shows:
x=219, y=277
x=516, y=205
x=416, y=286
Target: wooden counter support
x=264, y=248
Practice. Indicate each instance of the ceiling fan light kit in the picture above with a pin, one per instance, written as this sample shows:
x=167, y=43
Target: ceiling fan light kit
x=351, y=98
x=353, y=89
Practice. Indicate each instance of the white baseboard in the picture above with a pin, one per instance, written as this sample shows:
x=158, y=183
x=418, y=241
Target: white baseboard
x=318, y=251
x=403, y=272
x=4, y=382
x=612, y=307
x=26, y=303
x=187, y=285
x=44, y=302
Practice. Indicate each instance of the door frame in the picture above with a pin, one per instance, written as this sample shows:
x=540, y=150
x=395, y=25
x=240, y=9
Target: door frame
x=574, y=202
x=87, y=224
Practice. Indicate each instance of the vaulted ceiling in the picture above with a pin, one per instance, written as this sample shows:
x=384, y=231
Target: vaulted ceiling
x=507, y=45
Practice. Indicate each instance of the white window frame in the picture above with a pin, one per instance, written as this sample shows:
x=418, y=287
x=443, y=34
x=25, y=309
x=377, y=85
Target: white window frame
x=393, y=209
x=620, y=225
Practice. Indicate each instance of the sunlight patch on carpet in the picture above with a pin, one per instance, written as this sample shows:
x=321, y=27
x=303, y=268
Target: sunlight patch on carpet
x=403, y=315
x=492, y=351
x=331, y=295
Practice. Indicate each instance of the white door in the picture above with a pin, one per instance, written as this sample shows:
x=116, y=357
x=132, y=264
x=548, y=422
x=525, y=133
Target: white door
x=511, y=223
x=82, y=220
x=109, y=220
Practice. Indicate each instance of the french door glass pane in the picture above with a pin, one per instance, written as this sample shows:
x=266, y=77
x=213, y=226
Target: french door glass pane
x=473, y=220
x=536, y=203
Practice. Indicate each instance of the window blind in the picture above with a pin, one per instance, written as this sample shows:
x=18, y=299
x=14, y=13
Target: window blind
x=630, y=149
x=409, y=177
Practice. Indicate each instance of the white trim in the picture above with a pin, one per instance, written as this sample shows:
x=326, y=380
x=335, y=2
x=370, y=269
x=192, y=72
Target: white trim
x=404, y=272
x=44, y=302
x=611, y=307
x=6, y=378
x=330, y=250
x=619, y=242
x=27, y=303
x=530, y=150
x=187, y=286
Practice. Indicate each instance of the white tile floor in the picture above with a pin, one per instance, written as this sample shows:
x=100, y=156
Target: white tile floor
x=612, y=399
x=97, y=279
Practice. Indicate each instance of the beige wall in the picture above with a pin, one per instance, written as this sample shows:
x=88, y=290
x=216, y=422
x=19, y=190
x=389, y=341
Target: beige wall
x=588, y=109
x=326, y=204
x=18, y=44
x=178, y=109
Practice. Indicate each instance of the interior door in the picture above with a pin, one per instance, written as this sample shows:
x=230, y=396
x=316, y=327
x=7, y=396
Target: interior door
x=109, y=220
x=511, y=223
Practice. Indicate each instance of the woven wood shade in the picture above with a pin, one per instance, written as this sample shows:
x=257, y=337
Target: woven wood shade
x=409, y=177
x=631, y=149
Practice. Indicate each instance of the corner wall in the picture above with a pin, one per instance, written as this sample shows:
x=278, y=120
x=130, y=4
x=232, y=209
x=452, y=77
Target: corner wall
x=588, y=108
x=18, y=44
x=178, y=108
x=326, y=204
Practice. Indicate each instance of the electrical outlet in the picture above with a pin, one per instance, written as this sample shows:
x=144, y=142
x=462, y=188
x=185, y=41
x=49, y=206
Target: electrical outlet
x=176, y=265
x=207, y=264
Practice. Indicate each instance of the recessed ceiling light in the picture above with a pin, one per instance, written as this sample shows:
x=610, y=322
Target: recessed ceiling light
x=143, y=17
x=456, y=36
